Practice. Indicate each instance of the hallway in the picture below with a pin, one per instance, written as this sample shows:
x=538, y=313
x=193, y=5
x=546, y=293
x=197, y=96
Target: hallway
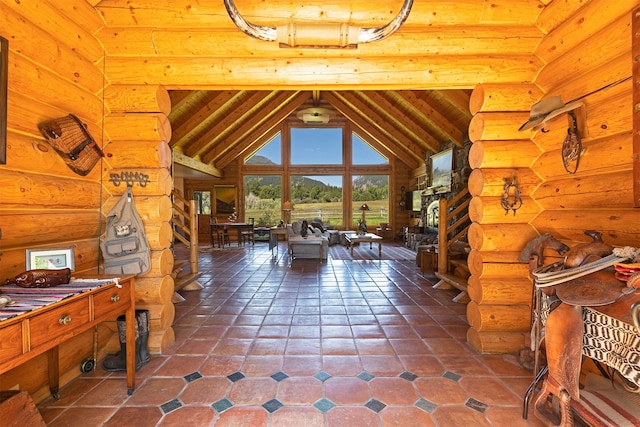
x=270, y=342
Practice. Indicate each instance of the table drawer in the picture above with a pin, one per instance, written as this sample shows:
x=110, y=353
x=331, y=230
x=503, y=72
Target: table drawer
x=11, y=342
x=113, y=300
x=60, y=321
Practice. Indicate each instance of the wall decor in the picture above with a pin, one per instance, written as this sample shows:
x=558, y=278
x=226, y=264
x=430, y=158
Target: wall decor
x=225, y=199
x=50, y=259
x=441, y=166
x=4, y=78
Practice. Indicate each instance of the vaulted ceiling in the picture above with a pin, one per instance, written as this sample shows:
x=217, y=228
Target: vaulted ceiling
x=408, y=93
x=216, y=127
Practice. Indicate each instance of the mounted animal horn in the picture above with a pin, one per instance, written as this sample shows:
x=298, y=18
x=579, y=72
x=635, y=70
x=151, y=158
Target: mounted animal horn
x=318, y=35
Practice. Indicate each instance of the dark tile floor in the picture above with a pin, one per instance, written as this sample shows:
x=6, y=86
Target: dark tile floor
x=271, y=342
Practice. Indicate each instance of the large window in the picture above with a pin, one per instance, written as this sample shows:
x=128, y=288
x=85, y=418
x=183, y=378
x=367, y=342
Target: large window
x=316, y=146
x=269, y=154
x=317, y=197
x=262, y=199
x=372, y=191
x=203, y=201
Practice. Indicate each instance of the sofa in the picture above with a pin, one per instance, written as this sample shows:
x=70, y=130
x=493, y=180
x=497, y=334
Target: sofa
x=312, y=246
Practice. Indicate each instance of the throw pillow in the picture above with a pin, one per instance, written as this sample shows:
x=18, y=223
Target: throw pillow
x=296, y=226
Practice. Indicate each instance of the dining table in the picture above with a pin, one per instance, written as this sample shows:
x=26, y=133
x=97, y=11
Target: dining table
x=239, y=226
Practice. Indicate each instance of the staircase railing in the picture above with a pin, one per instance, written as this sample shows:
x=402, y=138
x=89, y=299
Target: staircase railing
x=456, y=209
x=186, y=220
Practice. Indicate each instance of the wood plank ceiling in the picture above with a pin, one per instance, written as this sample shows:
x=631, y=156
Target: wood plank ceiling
x=409, y=92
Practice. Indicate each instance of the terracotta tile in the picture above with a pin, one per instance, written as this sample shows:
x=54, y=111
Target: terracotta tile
x=351, y=416
x=338, y=346
x=342, y=365
x=242, y=331
x=431, y=331
x=249, y=391
x=374, y=346
x=409, y=346
x=111, y=392
x=459, y=416
x=221, y=319
x=303, y=346
x=233, y=346
x=297, y=417
x=135, y=416
x=189, y=416
x=312, y=331
x=382, y=365
x=335, y=331
x=402, y=416
x=399, y=331
x=367, y=331
x=489, y=390
x=277, y=319
x=181, y=365
x=301, y=365
x=91, y=416
x=249, y=416
x=512, y=416
x=262, y=365
x=299, y=391
x=264, y=346
x=156, y=391
x=273, y=331
x=75, y=390
x=221, y=365
x=464, y=365
x=347, y=390
x=209, y=332
x=196, y=347
x=446, y=346
x=423, y=365
x=441, y=391
x=393, y=391
x=205, y=391
x=505, y=366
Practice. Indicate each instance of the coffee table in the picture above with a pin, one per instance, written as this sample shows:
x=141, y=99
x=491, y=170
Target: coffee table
x=354, y=238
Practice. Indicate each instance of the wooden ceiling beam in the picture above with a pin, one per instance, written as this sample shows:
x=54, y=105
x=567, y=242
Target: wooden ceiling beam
x=271, y=113
x=404, y=154
x=194, y=164
x=441, y=126
x=197, y=117
x=230, y=116
x=406, y=122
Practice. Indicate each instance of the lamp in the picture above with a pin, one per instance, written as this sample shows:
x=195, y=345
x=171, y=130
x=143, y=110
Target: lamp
x=287, y=207
x=315, y=115
x=363, y=223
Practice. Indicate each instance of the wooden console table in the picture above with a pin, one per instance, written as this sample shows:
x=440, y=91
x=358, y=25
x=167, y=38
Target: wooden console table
x=42, y=318
x=354, y=238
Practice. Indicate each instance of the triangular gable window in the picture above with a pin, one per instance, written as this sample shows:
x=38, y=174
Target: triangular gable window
x=269, y=154
x=363, y=154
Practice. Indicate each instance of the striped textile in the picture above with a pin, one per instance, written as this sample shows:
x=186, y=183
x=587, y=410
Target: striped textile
x=608, y=405
x=28, y=299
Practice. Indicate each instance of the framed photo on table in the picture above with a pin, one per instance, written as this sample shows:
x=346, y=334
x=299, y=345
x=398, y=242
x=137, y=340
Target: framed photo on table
x=50, y=259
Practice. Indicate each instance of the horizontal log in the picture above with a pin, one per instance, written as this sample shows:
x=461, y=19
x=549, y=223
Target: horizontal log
x=430, y=40
x=22, y=190
x=620, y=227
x=150, y=208
x=593, y=50
x=488, y=210
x=359, y=13
x=160, y=315
x=154, y=290
x=491, y=182
x=137, y=98
x=483, y=317
x=588, y=192
x=503, y=154
x=497, y=256
x=138, y=126
x=62, y=27
x=30, y=78
x=494, y=342
x=498, y=126
x=500, y=237
x=503, y=97
x=157, y=182
x=500, y=291
x=312, y=73
x=599, y=156
x=137, y=154
x=495, y=270
x=39, y=227
x=159, y=235
x=161, y=264
x=159, y=340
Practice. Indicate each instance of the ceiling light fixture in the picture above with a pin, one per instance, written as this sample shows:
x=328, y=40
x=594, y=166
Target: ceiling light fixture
x=318, y=35
x=314, y=115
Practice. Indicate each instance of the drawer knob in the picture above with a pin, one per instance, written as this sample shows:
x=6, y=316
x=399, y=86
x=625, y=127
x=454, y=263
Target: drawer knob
x=65, y=320
x=115, y=298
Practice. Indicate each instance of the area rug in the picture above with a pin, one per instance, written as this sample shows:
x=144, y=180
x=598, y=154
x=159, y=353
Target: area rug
x=390, y=251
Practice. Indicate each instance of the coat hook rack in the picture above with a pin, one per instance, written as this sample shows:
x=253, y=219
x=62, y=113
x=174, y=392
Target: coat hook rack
x=129, y=178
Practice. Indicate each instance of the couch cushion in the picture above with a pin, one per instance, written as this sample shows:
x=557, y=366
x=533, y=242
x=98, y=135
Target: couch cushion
x=296, y=226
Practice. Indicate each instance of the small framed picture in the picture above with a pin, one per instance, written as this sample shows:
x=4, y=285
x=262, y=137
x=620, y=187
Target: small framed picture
x=50, y=259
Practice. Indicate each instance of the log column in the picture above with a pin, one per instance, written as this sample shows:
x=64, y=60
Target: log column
x=139, y=132
x=499, y=286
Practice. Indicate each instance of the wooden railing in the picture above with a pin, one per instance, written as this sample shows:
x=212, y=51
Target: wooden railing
x=186, y=220
x=458, y=207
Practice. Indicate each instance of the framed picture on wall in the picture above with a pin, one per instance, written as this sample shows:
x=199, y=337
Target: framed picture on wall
x=4, y=78
x=50, y=259
x=225, y=202
x=441, y=166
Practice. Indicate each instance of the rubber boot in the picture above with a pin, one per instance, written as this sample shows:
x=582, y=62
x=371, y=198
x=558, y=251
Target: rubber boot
x=142, y=353
x=118, y=361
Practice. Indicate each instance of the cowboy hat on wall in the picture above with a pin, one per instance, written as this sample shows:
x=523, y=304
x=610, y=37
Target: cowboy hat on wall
x=545, y=110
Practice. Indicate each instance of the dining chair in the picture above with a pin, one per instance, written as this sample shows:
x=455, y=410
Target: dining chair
x=248, y=234
x=218, y=233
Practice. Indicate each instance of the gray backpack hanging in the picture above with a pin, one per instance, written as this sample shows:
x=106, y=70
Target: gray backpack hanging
x=125, y=248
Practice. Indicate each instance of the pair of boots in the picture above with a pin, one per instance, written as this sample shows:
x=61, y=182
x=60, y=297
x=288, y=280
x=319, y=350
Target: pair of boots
x=118, y=361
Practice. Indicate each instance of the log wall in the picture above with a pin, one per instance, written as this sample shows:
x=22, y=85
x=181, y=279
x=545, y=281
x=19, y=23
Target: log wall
x=43, y=204
x=588, y=57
